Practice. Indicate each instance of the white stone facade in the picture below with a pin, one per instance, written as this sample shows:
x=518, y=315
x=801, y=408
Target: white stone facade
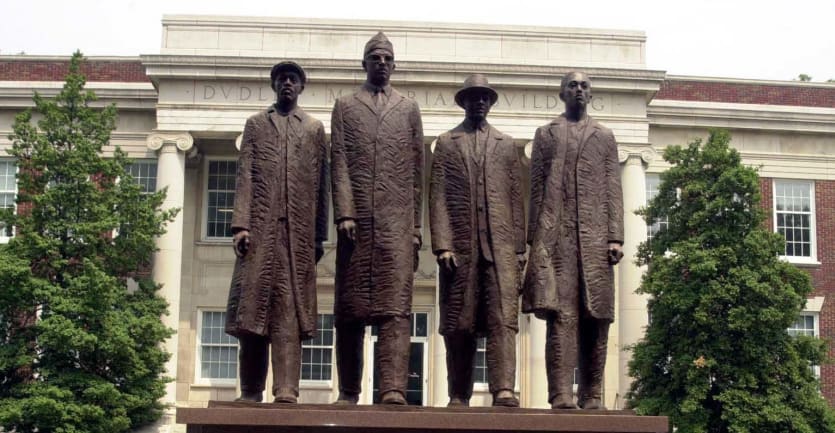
x=213, y=72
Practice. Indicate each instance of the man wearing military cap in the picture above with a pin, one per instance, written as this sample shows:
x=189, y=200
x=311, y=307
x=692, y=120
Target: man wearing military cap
x=478, y=234
x=377, y=170
x=279, y=223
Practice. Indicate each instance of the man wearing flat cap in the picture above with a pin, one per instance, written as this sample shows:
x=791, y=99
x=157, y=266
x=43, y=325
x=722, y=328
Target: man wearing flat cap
x=377, y=170
x=478, y=235
x=279, y=224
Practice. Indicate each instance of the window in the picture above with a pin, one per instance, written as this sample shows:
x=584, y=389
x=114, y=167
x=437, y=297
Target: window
x=8, y=190
x=807, y=324
x=218, y=351
x=317, y=354
x=653, y=181
x=144, y=173
x=220, y=198
x=794, y=218
x=480, y=370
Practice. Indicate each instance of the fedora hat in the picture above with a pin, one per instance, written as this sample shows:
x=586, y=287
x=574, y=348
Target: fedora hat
x=474, y=83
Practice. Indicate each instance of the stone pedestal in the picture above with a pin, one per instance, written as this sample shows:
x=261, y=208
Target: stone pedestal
x=230, y=417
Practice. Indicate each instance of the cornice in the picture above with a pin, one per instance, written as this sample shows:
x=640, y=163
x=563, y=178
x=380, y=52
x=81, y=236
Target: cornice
x=741, y=116
x=161, y=66
x=18, y=94
x=373, y=26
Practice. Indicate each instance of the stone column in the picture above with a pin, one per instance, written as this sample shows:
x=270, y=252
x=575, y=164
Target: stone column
x=438, y=371
x=537, y=379
x=171, y=148
x=632, y=308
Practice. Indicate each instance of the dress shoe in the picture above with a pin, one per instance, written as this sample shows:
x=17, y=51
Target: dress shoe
x=345, y=398
x=254, y=397
x=458, y=402
x=393, y=397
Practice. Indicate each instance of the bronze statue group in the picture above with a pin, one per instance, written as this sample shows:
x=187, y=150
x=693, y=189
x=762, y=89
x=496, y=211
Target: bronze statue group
x=561, y=264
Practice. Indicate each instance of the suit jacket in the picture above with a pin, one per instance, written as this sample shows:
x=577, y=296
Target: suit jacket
x=454, y=223
x=599, y=218
x=377, y=173
x=257, y=207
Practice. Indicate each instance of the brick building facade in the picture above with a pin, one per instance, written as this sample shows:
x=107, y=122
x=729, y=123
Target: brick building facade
x=182, y=110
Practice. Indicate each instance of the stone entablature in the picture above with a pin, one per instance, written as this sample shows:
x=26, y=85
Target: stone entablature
x=413, y=41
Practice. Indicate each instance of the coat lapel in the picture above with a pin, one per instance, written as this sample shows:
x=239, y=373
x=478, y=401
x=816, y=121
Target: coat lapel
x=591, y=129
x=462, y=149
x=365, y=97
x=394, y=99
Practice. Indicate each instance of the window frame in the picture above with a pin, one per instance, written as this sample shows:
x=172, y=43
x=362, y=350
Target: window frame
x=662, y=222
x=320, y=383
x=812, y=259
x=205, y=205
x=199, y=380
x=137, y=161
x=3, y=238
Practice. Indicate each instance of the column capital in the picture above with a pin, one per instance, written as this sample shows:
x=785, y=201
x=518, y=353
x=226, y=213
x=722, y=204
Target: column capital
x=157, y=139
x=646, y=152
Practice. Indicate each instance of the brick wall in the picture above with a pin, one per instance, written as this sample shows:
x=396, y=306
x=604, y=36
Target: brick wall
x=823, y=276
x=125, y=71
x=749, y=93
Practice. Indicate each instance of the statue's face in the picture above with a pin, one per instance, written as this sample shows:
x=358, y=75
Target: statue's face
x=378, y=65
x=476, y=105
x=576, y=92
x=288, y=86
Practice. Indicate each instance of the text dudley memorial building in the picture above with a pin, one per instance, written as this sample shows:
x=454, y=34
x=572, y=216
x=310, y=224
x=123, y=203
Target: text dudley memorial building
x=182, y=111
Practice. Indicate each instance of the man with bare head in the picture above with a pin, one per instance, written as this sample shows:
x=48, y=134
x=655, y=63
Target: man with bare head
x=576, y=232
x=377, y=169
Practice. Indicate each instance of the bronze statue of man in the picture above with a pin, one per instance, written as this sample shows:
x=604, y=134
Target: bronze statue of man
x=478, y=235
x=576, y=233
x=279, y=224
x=377, y=170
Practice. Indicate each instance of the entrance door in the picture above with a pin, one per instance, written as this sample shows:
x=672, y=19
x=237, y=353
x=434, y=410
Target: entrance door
x=418, y=361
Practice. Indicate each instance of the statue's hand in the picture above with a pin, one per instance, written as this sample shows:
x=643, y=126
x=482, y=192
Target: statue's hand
x=447, y=261
x=241, y=243
x=615, y=253
x=347, y=230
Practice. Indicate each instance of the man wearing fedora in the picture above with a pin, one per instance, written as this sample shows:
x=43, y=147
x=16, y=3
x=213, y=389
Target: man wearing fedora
x=279, y=224
x=377, y=169
x=478, y=235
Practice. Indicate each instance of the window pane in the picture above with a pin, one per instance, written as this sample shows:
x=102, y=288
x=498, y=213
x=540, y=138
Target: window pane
x=793, y=216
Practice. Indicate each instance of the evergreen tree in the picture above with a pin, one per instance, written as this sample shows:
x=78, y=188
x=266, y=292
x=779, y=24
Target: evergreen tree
x=79, y=351
x=717, y=357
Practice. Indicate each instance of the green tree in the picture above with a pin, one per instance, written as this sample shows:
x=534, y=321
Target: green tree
x=803, y=77
x=716, y=357
x=79, y=351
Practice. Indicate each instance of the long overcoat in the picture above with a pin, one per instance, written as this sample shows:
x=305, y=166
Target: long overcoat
x=599, y=218
x=454, y=225
x=377, y=175
x=258, y=204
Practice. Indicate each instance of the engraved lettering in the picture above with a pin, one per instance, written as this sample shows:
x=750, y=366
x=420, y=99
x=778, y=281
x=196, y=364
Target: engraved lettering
x=509, y=100
x=261, y=96
x=552, y=102
x=597, y=104
x=246, y=92
x=225, y=91
x=208, y=92
x=440, y=98
x=535, y=105
x=334, y=95
x=410, y=94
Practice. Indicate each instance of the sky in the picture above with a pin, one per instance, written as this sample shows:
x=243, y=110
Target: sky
x=751, y=39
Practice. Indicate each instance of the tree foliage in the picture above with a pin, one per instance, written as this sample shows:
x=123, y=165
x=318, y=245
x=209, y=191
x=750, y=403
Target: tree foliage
x=716, y=357
x=79, y=351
